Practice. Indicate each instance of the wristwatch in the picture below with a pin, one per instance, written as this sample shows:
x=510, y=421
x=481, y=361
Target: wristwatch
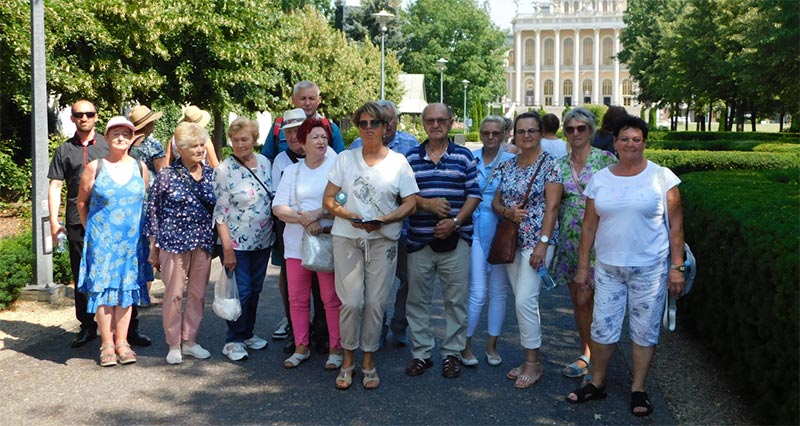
x=456, y=221
x=680, y=267
x=544, y=238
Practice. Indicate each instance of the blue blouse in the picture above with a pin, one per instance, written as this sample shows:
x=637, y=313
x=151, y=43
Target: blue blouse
x=484, y=218
x=175, y=216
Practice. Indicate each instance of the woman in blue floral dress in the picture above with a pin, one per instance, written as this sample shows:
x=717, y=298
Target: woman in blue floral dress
x=576, y=170
x=112, y=273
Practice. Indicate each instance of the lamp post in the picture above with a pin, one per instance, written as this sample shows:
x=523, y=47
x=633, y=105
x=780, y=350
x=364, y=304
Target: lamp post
x=442, y=62
x=383, y=18
x=466, y=83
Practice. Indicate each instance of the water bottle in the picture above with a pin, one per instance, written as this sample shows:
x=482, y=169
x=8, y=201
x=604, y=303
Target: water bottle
x=547, y=280
x=341, y=198
x=62, y=243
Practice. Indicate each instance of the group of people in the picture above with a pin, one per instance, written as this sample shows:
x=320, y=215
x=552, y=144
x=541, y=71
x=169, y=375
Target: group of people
x=392, y=208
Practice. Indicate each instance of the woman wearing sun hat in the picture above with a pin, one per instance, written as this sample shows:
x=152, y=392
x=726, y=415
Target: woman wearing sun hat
x=193, y=114
x=145, y=147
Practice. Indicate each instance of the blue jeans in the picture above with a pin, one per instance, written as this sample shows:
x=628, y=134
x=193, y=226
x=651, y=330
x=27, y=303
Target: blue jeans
x=251, y=269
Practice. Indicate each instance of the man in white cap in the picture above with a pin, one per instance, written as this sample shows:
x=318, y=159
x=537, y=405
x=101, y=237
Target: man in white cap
x=305, y=96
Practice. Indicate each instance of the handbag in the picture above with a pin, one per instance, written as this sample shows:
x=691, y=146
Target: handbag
x=317, y=251
x=506, y=236
x=226, y=296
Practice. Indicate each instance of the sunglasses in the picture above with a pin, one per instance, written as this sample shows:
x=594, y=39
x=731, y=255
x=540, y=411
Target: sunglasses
x=372, y=124
x=570, y=129
x=79, y=114
x=529, y=132
x=491, y=134
x=432, y=121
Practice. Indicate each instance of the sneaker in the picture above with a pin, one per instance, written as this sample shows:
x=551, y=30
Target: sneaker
x=174, y=356
x=282, y=330
x=196, y=351
x=235, y=351
x=256, y=343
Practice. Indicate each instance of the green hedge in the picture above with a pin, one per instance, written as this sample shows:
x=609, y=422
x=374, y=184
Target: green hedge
x=16, y=266
x=692, y=161
x=744, y=230
x=725, y=145
x=734, y=136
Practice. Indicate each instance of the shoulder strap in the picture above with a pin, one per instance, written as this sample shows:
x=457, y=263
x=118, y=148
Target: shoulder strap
x=276, y=128
x=97, y=169
x=530, y=184
x=187, y=180
x=244, y=166
x=327, y=124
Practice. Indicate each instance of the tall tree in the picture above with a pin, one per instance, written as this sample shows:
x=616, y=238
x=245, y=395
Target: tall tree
x=361, y=25
x=461, y=32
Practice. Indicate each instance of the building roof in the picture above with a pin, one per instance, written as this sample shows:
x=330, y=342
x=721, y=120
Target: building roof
x=413, y=93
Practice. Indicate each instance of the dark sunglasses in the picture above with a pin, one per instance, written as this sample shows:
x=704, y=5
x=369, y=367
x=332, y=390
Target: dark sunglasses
x=570, y=129
x=439, y=121
x=372, y=124
x=80, y=114
x=491, y=134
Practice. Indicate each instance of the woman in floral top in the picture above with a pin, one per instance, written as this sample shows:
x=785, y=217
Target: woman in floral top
x=180, y=229
x=537, y=233
x=243, y=215
x=576, y=170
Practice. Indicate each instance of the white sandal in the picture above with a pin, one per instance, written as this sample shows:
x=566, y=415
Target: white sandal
x=296, y=359
x=334, y=361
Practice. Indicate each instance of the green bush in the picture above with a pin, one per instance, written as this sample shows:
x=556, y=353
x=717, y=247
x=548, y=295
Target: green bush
x=736, y=136
x=15, y=180
x=16, y=266
x=350, y=135
x=725, y=145
x=744, y=231
x=693, y=161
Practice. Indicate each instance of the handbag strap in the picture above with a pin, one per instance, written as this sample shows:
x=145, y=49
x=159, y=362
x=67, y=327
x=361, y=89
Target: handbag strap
x=269, y=194
x=530, y=184
x=575, y=177
x=489, y=175
x=185, y=178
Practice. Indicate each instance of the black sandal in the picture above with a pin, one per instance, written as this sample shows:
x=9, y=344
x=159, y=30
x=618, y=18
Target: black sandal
x=588, y=393
x=639, y=400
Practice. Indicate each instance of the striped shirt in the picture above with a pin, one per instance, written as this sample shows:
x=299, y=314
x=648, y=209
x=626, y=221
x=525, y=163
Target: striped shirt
x=453, y=178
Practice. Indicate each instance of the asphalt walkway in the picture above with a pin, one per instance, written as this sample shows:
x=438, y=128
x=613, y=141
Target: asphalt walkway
x=48, y=382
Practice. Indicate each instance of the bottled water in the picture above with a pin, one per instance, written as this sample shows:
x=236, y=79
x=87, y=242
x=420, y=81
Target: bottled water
x=547, y=280
x=62, y=243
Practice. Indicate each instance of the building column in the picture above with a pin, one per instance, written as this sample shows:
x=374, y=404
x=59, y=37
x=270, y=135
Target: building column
x=596, y=86
x=518, y=69
x=577, y=87
x=537, y=77
x=557, y=66
x=615, y=94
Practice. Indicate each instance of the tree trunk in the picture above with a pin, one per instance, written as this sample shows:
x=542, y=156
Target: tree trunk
x=753, y=120
x=217, y=136
x=686, y=123
x=711, y=115
x=740, y=109
x=780, y=125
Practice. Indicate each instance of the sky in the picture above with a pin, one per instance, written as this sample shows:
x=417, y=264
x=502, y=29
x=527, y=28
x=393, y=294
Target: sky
x=501, y=11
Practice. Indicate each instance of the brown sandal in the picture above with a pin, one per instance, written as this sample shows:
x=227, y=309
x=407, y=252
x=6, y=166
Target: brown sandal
x=127, y=355
x=525, y=381
x=107, y=359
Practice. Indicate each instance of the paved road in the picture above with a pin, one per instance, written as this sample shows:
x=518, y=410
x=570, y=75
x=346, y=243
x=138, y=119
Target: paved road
x=50, y=383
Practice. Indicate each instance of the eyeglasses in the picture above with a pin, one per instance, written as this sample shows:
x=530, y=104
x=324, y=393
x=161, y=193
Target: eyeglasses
x=439, y=121
x=571, y=129
x=372, y=124
x=529, y=132
x=636, y=141
x=491, y=134
x=79, y=114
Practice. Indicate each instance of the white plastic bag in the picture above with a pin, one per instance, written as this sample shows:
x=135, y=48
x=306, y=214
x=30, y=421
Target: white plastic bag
x=226, y=297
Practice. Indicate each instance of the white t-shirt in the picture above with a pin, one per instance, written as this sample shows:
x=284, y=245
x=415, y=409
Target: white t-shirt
x=373, y=194
x=632, y=230
x=310, y=185
x=282, y=161
x=555, y=147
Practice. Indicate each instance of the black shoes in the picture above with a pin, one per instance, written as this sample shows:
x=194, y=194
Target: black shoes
x=137, y=338
x=418, y=366
x=450, y=367
x=84, y=336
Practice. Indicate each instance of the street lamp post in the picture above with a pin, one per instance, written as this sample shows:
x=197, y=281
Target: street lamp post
x=466, y=83
x=442, y=62
x=383, y=18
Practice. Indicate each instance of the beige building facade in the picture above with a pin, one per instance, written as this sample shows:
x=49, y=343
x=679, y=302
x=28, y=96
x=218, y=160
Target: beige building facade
x=564, y=53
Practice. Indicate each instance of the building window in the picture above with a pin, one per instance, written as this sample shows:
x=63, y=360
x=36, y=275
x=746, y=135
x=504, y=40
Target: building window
x=607, y=87
x=530, y=99
x=608, y=51
x=587, y=51
x=548, y=52
x=587, y=91
x=568, y=52
x=530, y=52
x=548, y=92
x=566, y=7
x=567, y=91
x=627, y=92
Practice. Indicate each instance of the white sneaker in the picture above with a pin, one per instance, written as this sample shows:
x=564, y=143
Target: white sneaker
x=234, y=351
x=281, y=330
x=256, y=343
x=196, y=351
x=174, y=356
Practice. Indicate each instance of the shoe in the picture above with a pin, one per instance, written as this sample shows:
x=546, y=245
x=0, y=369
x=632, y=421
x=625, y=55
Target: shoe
x=235, y=351
x=334, y=361
x=108, y=359
x=587, y=393
x=282, y=330
x=494, y=362
x=514, y=373
x=296, y=359
x=418, y=366
x=450, y=368
x=126, y=356
x=468, y=362
x=174, y=356
x=640, y=400
x=574, y=370
x=289, y=348
x=399, y=339
x=525, y=381
x=255, y=343
x=84, y=336
x=371, y=380
x=137, y=338
x=196, y=351
x=345, y=378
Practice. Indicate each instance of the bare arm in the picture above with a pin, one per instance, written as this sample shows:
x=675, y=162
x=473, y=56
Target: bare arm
x=224, y=232
x=676, y=279
x=54, y=207
x=160, y=163
x=211, y=154
x=407, y=207
x=552, y=195
x=588, y=233
x=85, y=190
x=438, y=206
x=330, y=204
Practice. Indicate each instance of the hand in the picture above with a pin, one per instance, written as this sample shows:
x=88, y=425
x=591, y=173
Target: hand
x=516, y=214
x=229, y=257
x=56, y=229
x=313, y=228
x=439, y=206
x=306, y=218
x=538, y=256
x=582, y=277
x=675, y=282
x=444, y=228
x=153, y=258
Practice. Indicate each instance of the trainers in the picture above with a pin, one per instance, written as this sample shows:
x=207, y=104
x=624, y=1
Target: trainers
x=256, y=343
x=196, y=351
x=235, y=351
x=282, y=330
x=174, y=356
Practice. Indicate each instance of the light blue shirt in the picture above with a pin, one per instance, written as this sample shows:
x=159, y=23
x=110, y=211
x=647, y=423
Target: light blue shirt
x=484, y=218
x=401, y=143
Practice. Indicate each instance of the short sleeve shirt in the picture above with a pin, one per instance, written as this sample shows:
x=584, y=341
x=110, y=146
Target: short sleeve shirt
x=67, y=165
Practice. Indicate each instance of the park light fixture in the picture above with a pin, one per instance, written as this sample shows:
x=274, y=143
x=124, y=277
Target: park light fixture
x=442, y=63
x=383, y=18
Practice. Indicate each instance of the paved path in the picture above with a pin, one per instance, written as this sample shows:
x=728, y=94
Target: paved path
x=50, y=383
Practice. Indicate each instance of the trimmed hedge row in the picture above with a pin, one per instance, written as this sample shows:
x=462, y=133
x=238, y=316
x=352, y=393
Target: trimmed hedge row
x=744, y=230
x=736, y=136
x=725, y=145
x=16, y=266
x=691, y=161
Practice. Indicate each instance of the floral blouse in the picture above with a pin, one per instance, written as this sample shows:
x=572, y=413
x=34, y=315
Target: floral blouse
x=243, y=203
x=513, y=183
x=177, y=219
x=573, y=205
x=146, y=152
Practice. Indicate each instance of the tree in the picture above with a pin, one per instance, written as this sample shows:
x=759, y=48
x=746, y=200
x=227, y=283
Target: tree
x=461, y=32
x=362, y=25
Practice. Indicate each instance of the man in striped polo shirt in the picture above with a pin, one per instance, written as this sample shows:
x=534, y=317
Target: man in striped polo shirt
x=439, y=237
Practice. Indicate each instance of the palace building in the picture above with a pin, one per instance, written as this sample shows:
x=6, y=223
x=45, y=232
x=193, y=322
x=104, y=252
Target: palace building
x=564, y=54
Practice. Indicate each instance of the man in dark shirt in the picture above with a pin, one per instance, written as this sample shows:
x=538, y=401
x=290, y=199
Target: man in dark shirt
x=66, y=166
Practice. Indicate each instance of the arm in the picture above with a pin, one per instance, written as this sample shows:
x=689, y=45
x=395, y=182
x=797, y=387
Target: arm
x=676, y=279
x=329, y=203
x=406, y=208
x=445, y=227
x=54, y=207
x=438, y=206
x=145, y=176
x=170, y=155
x=338, y=140
x=552, y=195
x=85, y=190
x=160, y=163
x=221, y=207
x=211, y=154
x=588, y=233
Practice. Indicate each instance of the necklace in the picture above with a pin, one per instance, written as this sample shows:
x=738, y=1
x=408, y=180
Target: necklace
x=432, y=155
